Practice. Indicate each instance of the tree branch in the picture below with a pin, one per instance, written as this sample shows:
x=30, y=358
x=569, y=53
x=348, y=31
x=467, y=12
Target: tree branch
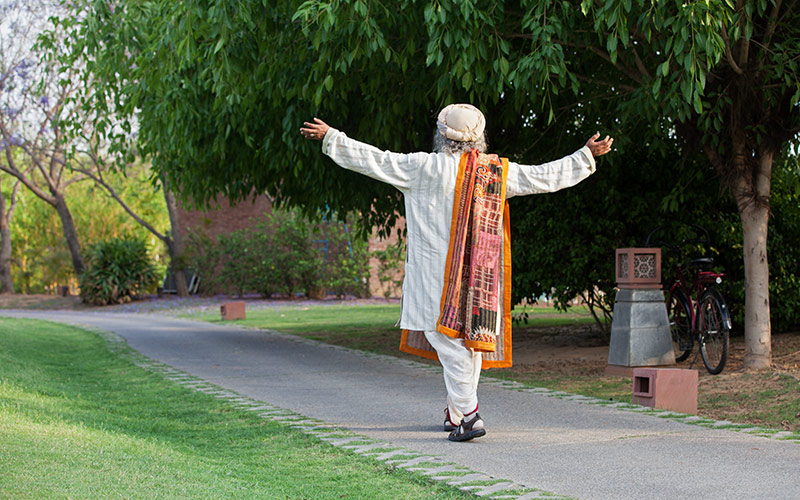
x=99, y=180
x=13, y=199
x=11, y=169
x=54, y=171
x=632, y=74
x=729, y=53
x=773, y=21
x=629, y=88
x=640, y=65
x=599, y=52
x=744, y=45
x=72, y=181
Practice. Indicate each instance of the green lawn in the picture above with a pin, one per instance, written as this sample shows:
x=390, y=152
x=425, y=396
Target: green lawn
x=80, y=421
x=313, y=319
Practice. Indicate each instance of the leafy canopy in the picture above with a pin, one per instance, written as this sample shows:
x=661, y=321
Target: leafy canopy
x=219, y=88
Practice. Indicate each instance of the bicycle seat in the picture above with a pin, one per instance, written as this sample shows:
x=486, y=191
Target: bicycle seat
x=702, y=262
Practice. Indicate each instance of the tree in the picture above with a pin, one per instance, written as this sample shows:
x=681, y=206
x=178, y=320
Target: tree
x=93, y=168
x=219, y=91
x=31, y=103
x=41, y=259
x=564, y=243
x=7, y=206
x=45, y=128
x=728, y=77
x=88, y=137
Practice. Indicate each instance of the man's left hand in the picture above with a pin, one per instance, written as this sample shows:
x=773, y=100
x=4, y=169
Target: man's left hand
x=314, y=130
x=599, y=148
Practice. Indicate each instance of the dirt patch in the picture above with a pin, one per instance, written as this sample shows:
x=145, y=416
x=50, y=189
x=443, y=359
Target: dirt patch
x=566, y=350
x=40, y=302
x=564, y=347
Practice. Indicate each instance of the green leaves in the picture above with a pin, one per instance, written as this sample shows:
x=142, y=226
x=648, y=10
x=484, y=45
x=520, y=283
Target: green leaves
x=219, y=89
x=117, y=270
x=283, y=253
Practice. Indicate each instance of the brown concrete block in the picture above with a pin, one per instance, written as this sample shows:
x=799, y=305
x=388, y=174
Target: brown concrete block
x=232, y=310
x=666, y=388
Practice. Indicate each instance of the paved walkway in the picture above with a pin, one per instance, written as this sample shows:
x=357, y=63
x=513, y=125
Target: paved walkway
x=570, y=447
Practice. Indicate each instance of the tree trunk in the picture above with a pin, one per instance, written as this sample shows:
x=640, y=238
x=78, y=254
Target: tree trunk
x=6, y=283
x=175, y=246
x=754, y=213
x=68, y=226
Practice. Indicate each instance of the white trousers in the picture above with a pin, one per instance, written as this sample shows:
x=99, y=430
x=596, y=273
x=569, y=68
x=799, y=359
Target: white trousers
x=462, y=370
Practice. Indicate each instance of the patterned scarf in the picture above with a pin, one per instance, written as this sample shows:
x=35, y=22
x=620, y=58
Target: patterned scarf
x=471, y=296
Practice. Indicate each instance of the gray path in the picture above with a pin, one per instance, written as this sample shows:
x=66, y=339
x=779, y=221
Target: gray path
x=569, y=448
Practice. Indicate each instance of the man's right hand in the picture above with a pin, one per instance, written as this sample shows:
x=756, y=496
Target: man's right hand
x=599, y=148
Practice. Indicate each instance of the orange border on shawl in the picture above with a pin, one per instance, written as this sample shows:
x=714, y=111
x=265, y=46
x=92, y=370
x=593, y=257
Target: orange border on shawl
x=508, y=361
x=404, y=347
x=477, y=345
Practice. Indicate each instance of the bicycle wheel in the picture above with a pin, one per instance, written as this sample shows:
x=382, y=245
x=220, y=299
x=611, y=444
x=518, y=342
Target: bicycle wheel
x=680, y=325
x=713, y=324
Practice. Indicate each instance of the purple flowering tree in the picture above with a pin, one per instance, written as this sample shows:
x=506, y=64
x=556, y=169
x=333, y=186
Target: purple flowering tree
x=98, y=141
x=49, y=139
x=85, y=141
x=32, y=103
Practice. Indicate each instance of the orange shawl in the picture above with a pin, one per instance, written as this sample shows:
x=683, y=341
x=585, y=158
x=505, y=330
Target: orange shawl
x=476, y=278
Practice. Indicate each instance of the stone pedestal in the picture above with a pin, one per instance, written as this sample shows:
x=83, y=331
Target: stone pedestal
x=640, y=334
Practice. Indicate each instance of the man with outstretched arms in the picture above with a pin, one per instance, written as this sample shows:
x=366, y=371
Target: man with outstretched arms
x=457, y=288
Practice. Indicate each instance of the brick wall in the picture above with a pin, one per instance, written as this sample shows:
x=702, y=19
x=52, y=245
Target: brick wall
x=225, y=219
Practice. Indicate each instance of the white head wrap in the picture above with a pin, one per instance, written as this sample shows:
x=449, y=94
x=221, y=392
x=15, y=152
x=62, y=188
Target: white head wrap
x=461, y=122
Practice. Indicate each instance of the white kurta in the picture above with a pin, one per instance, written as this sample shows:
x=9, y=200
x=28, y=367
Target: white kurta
x=427, y=181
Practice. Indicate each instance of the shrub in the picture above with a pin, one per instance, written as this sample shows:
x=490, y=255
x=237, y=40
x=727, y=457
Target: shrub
x=262, y=261
x=204, y=255
x=283, y=253
x=235, y=272
x=297, y=257
x=347, y=269
x=117, y=270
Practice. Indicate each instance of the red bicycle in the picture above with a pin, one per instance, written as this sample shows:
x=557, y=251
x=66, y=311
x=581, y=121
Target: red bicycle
x=696, y=309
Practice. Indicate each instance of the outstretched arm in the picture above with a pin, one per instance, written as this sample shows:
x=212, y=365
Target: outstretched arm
x=392, y=168
x=559, y=174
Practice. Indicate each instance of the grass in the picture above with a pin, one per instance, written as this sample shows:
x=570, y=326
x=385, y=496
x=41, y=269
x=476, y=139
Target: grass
x=313, y=319
x=80, y=421
x=617, y=389
x=362, y=318
x=771, y=400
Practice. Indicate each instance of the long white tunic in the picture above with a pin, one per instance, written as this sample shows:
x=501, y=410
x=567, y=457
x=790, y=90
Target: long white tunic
x=427, y=181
